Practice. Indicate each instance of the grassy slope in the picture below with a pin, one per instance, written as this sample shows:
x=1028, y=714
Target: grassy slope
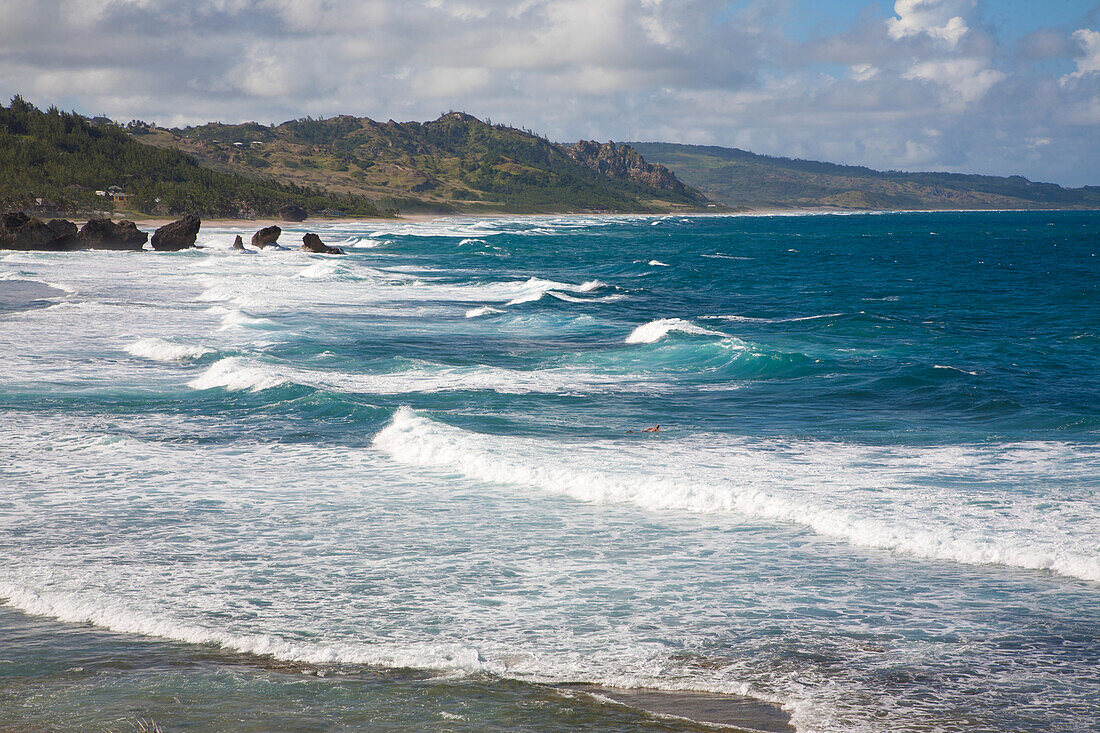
x=741, y=179
x=454, y=163
x=64, y=158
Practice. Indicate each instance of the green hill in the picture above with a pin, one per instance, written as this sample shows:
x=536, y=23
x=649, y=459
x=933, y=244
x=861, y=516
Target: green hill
x=55, y=162
x=741, y=179
x=454, y=163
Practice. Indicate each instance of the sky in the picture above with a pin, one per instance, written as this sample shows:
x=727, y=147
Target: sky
x=1000, y=87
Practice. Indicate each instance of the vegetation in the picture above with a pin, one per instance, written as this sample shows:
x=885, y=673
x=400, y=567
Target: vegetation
x=741, y=179
x=454, y=163
x=55, y=162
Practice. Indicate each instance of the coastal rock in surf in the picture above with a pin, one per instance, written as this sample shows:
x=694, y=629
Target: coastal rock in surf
x=312, y=243
x=177, y=235
x=266, y=236
x=63, y=228
x=105, y=234
x=293, y=212
x=238, y=243
x=19, y=231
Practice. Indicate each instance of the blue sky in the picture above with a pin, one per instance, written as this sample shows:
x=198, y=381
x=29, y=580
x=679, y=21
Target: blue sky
x=985, y=86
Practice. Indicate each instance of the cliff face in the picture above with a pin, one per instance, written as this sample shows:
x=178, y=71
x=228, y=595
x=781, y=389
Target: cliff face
x=625, y=163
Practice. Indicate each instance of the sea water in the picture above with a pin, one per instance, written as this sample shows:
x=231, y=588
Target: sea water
x=409, y=487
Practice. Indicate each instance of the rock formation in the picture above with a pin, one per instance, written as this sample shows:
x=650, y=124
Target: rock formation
x=105, y=234
x=266, y=236
x=177, y=235
x=623, y=162
x=238, y=243
x=293, y=212
x=312, y=243
x=19, y=231
x=64, y=229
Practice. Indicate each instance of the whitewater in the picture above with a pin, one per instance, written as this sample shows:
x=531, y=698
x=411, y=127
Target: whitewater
x=872, y=503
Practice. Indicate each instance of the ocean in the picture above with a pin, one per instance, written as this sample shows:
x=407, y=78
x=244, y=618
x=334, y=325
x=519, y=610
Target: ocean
x=411, y=488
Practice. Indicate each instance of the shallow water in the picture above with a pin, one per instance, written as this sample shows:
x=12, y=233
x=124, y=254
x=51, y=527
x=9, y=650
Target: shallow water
x=873, y=500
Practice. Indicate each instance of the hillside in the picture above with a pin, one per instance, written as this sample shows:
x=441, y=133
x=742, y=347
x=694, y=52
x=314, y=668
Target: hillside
x=741, y=179
x=55, y=162
x=454, y=163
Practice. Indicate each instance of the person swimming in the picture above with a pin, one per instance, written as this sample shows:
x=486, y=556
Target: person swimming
x=654, y=429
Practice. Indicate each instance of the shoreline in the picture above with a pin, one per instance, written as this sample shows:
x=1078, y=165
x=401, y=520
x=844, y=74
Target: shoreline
x=80, y=653
x=420, y=218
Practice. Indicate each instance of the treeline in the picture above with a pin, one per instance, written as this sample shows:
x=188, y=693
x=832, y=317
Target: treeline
x=58, y=160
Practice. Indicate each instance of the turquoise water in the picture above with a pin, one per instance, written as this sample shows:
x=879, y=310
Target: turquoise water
x=407, y=488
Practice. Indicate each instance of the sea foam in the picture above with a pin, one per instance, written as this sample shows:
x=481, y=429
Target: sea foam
x=813, y=485
x=158, y=349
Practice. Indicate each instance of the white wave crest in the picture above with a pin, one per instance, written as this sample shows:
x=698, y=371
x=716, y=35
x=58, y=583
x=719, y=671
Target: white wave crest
x=536, y=288
x=235, y=373
x=238, y=373
x=485, y=310
x=657, y=263
x=654, y=331
x=811, y=485
x=106, y=614
x=158, y=349
x=794, y=319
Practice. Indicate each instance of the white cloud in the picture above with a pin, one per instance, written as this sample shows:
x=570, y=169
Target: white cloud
x=965, y=79
x=939, y=19
x=863, y=72
x=1089, y=61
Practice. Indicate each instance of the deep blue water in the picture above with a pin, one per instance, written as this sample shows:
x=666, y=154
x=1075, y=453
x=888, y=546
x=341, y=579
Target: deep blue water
x=873, y=499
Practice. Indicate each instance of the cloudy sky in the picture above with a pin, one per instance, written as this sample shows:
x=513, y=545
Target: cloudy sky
x=989, y=86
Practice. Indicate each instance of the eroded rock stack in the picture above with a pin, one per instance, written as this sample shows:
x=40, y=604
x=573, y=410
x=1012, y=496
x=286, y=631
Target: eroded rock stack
x=266, y=236
x=312, y=243
x=177, y=235
x=19, y=231
x=106, y=234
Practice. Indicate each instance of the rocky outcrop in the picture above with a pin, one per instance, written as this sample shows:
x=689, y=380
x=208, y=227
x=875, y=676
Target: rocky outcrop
x=312, y=243
x=293, y=212
x=64, y=229
x=19, y=231
x=266, y=236
x=623, y=162
x=177, y=235
x=238, y=243
x=105, y=234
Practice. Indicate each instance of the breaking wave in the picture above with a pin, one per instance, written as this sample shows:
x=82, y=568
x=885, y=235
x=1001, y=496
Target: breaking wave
x=654, y=331
x=158, y=349
x=819, y=486
x=238, y=374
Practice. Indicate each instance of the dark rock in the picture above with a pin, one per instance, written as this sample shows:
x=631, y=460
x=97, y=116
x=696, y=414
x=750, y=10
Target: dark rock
x=312, y=243
x=105, y=234
x=266, y=236
x=62, y=228
x=19, y=231
x=238, y=243
x=177, y=235
x=293, y=212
